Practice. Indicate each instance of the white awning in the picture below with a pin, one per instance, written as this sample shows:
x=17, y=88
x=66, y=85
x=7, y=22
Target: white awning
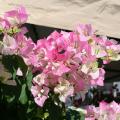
x=104, y=15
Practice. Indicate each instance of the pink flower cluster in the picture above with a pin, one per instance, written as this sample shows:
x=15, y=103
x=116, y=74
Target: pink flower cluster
x=11, y=23
x=105, y=111
x=67, y=61
x=13, y=18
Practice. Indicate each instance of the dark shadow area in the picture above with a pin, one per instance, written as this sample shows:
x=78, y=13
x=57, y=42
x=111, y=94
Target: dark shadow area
x=38, y=32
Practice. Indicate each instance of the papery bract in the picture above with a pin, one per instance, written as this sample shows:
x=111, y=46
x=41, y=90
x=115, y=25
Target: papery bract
x=9, y=45
x=25, y=45
x=16, y=16
x=105, y=111
x=4, y=24
x=85, y=29
x=40, y=94
x=100, y=80
x=64, y=89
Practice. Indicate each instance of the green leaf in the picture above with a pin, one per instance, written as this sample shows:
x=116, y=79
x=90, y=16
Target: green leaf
x=10, y=63
x=10, y=98
x=22, y=65
x=29, y=79
x=16, y=30
x=46, y=114
x=75, y=114
x=31, y=106
x=82, y=116
x=23, y=95
x=39, y=113
x=1, y=78
x=14, y=74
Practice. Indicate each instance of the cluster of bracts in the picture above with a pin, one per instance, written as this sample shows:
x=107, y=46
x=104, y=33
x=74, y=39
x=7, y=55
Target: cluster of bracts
x=67, y=61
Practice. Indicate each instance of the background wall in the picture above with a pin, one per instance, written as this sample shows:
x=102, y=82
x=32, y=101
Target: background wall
x=104, y=15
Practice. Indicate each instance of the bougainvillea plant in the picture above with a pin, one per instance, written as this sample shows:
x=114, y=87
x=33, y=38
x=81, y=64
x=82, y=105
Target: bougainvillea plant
x=105, y=111
x=58, y=67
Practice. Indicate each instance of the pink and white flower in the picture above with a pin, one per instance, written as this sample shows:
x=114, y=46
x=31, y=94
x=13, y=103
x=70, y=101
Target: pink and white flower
x=16, y=16
x=105, y=111
x=9, y=45
x=65, y=89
